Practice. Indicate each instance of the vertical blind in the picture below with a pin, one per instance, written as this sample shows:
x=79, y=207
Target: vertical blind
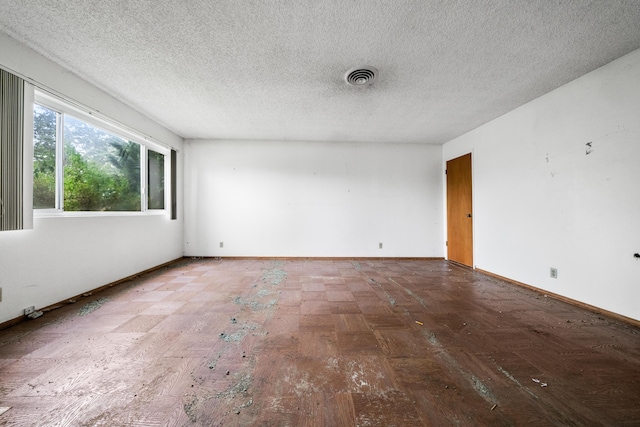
x=11, y=151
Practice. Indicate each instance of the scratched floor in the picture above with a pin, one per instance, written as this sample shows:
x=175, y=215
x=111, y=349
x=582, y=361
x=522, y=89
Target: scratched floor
x=319, y=343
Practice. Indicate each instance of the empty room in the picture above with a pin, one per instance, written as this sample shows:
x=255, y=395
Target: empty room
x=356, y=213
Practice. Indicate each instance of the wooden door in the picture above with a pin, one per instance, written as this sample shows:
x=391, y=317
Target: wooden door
x=459, y=211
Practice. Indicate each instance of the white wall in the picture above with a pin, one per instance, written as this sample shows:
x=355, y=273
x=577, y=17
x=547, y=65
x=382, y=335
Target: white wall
x=543, y=198
x=266, y=198
x=65, y=256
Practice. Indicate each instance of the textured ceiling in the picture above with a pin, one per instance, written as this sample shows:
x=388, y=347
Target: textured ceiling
x=274, y=69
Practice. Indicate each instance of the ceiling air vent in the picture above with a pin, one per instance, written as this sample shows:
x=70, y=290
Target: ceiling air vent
x=361, y=76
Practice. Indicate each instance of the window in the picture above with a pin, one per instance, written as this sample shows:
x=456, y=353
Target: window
x=155, y=170
x=44, y=157
x=82, y=163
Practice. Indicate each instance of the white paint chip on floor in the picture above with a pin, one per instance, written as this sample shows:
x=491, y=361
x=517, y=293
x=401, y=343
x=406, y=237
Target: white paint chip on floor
x=4, y=409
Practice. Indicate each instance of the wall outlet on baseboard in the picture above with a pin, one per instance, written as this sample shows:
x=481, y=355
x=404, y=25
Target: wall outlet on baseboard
x=222, y=244
x=29, y=310
x=380, y=245
x=553, y=272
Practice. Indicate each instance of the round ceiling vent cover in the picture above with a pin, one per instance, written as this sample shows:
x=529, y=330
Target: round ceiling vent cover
x=361, y=76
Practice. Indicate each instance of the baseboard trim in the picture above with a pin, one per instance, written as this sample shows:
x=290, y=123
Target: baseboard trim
x=66, y=301
x=293, y=258
x=584, y=305
x=589, y=307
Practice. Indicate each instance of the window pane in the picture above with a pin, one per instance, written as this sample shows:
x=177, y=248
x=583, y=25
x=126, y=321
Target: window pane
x=101, y=171
x=156, y=180
x=44, y=157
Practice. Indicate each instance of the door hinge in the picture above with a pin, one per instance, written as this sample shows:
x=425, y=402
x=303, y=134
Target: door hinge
x=446, y=243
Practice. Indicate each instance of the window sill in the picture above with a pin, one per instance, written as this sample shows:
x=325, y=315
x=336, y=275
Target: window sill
x=49, y=213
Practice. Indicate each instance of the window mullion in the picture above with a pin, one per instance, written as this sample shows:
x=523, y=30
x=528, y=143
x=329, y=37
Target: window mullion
x=59, y=203
x=144, y=184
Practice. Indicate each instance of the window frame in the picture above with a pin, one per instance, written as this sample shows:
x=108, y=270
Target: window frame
x=62, y=108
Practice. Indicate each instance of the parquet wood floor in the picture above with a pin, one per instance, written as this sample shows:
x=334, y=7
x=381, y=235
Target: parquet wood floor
x=319, y=343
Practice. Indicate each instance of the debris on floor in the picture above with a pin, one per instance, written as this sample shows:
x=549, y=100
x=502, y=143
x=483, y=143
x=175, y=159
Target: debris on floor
x=4, y=409
x=330, y=350
x=35, y=315
x=92, y=306
x=535, y=380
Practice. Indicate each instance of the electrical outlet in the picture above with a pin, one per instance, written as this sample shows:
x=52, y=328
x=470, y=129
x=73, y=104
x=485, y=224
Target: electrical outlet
x=380, y=245
x=222, y=244
x=554, y=273
x=29, y=310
